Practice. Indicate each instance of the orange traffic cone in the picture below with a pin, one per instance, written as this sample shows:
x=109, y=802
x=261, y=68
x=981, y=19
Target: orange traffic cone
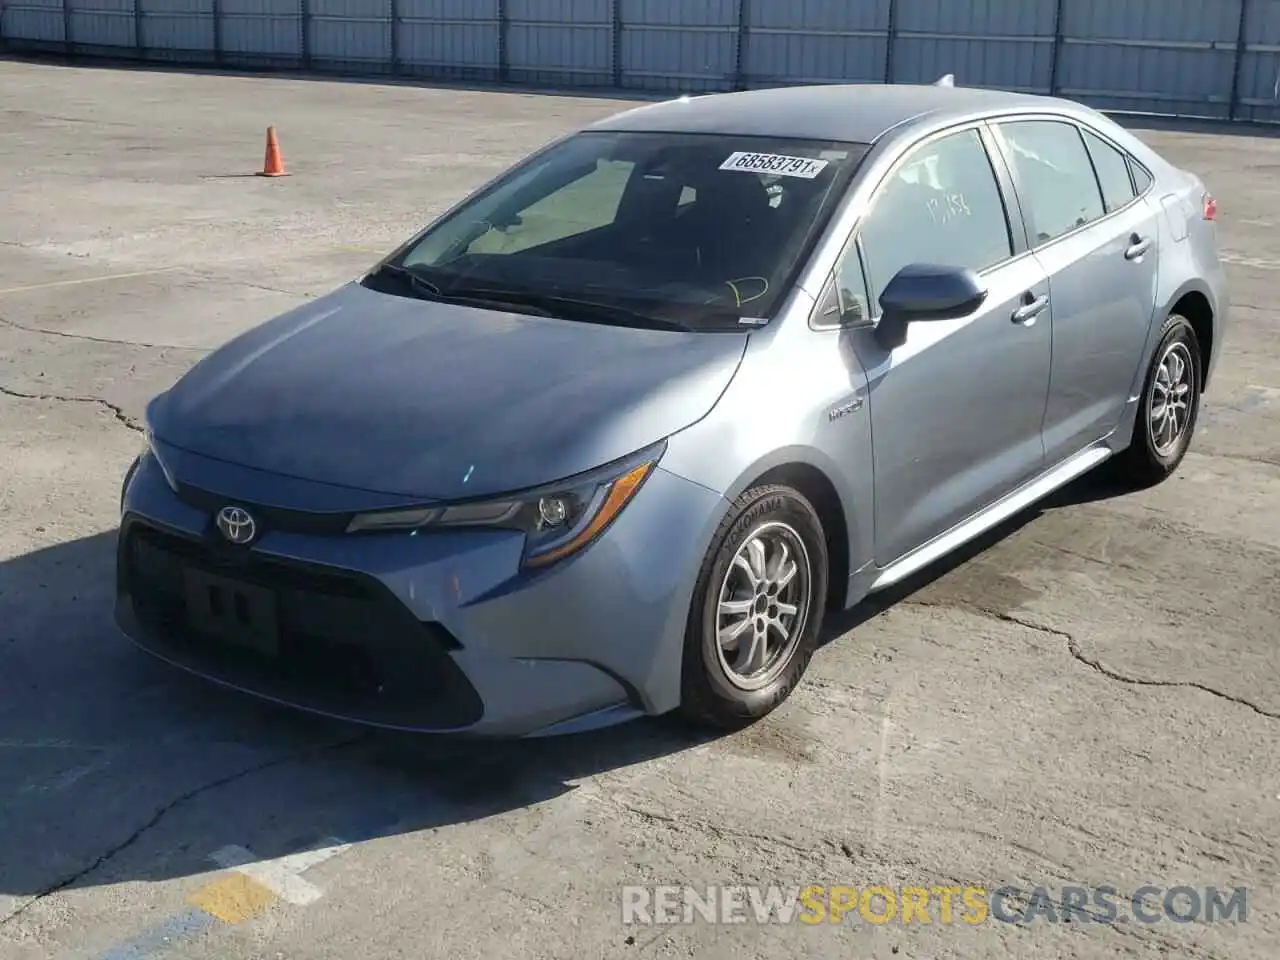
x=273, y=166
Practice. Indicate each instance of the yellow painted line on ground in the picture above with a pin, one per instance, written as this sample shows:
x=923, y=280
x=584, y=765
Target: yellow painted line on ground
x=233, y=899
x=82, y=280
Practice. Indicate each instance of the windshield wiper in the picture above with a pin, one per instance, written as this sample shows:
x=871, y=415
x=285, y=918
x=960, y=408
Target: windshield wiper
x=430, y=290
x=591, y=311
x=547, y=305
x=415, y=280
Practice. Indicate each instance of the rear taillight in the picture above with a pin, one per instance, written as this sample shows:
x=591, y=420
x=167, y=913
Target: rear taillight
x=1210, y=207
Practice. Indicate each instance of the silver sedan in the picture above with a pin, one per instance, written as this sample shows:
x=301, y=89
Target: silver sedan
x=610, y=436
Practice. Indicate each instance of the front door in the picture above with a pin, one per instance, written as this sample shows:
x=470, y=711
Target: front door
x=1098, y=243
x=956, y=410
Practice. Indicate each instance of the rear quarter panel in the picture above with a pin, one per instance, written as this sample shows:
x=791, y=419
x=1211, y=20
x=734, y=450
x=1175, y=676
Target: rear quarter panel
x=1190, y=260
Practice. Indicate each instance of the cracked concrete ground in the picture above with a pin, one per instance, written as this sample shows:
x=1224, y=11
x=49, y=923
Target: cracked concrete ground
x=1087, y=698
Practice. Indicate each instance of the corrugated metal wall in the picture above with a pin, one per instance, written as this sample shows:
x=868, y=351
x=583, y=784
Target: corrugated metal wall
x=1207, y=58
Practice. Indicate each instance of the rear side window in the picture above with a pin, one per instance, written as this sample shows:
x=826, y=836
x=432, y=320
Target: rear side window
x=1113, y=172
x=1141, y=179
x=1055, y=176
x=943, y=206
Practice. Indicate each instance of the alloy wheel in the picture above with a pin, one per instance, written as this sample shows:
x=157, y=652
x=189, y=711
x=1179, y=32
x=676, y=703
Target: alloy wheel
x=1169, y=403
x=763, y=606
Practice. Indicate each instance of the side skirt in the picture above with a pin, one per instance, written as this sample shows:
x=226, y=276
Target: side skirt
x=994, y=515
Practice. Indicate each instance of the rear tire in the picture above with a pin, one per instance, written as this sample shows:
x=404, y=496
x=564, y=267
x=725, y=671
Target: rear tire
x=757, y=609
x=1168, y=409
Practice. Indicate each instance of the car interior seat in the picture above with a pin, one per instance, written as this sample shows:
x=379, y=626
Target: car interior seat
x=727, y=227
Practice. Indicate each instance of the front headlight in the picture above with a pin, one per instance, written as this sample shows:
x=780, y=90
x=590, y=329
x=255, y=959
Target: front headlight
x=557, y=520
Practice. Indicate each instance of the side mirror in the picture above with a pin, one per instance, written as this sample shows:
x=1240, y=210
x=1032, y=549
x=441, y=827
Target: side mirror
x=924, y=291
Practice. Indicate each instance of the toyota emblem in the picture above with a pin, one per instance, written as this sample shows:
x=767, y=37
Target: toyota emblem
x=237, y=525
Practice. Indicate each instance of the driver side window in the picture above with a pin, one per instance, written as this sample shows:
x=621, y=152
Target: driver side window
x=941, y=206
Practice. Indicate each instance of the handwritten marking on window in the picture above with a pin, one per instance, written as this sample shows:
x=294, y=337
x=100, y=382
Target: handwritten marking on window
x=948, y=207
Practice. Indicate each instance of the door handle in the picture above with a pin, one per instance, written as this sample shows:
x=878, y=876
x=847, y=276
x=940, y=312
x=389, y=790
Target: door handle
x=1027, y=313
x=1137, y=247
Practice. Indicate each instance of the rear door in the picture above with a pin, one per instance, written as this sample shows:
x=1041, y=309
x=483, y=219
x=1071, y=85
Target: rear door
x=1098, y=241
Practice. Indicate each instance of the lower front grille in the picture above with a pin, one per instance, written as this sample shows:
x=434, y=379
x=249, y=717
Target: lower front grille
x=322, y=638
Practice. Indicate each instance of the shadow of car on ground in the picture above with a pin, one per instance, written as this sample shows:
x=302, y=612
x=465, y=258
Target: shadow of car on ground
x=115, y=767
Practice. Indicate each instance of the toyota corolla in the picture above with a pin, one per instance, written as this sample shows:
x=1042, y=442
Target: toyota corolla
x=609, y=437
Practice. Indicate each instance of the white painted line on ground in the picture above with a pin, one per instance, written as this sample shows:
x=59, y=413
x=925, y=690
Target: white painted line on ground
x=1241, y=260
x=71, y=283
x=48, y=745
x=282, y=875
x=67, y=778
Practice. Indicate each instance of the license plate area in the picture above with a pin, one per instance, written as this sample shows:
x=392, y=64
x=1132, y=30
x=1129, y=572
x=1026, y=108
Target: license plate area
x=232, y=611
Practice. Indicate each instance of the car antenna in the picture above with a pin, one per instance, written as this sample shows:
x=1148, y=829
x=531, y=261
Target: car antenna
x=946, y=80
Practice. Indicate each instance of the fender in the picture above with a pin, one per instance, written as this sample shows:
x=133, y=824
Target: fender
x=857, y=533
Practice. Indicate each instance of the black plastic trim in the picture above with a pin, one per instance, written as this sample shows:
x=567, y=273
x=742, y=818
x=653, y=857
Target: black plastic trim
x=349, y=647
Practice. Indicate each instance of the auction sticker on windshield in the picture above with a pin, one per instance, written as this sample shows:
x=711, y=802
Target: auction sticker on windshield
x=803, y=167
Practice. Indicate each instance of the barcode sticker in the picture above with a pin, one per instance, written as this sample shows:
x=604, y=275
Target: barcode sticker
x=804, y=167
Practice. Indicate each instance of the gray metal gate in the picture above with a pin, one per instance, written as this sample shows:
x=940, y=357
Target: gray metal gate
x=1191, y=58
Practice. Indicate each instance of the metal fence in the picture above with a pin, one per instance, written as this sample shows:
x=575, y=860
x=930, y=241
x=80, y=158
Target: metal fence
x=1195, y=58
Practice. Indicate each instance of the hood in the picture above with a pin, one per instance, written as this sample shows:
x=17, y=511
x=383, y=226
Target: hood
x=438, y=401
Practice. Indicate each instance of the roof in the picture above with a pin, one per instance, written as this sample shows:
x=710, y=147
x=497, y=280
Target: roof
x=853, y=113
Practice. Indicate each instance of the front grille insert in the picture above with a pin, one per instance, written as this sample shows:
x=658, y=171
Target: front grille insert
x=270, y=518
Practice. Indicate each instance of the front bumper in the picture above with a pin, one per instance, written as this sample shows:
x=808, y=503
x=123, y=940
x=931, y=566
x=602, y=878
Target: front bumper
x=436, y=633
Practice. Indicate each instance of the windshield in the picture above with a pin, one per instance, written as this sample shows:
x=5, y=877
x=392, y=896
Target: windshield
x=689, y=230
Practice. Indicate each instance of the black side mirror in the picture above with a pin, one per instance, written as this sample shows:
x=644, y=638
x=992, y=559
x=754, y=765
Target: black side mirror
x=925, y=291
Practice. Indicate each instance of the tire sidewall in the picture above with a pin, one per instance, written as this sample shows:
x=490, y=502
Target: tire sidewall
x=769, y=505
x=1177, y=329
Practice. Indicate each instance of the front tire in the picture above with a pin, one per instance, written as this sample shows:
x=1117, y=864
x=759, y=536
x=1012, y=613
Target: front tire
x=1169, y=408
x=757, y=609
